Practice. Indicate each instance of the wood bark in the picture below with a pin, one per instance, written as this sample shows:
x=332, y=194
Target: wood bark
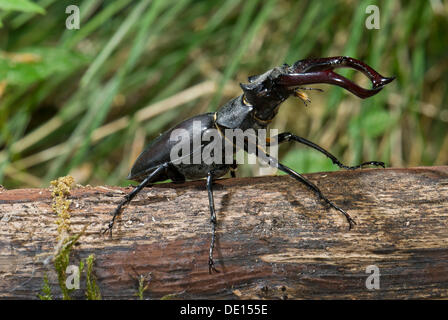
x=275, y=238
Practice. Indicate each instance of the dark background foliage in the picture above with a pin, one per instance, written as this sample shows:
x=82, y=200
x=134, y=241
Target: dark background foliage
x=84, y=102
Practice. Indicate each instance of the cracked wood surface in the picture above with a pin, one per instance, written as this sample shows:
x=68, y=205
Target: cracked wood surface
x=275, y=239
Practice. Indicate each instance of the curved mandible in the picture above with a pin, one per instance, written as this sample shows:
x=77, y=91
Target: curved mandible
x=309, y=71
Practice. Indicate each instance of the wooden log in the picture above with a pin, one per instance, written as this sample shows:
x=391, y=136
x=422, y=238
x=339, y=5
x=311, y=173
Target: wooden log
x=275, y=239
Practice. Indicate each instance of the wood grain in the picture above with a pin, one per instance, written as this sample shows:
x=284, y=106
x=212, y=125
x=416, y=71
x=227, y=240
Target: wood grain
x=275, y=239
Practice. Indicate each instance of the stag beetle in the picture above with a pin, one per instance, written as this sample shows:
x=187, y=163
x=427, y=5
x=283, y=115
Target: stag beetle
x=255, y=109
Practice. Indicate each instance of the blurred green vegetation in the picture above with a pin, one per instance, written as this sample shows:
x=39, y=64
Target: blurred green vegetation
x=85, y=102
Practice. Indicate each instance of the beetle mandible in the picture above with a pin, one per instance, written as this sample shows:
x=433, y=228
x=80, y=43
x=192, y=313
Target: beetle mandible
x=255, y=109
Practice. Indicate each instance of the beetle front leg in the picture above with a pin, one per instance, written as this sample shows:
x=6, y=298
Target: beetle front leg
x=287, y=137
x=213, y=221
x=317, y=191
x=274, y=163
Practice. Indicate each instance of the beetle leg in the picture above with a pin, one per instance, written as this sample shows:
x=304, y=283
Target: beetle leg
x=274, y=163
x=287, y=137
x=211, y=263
x=233, y=168
x=317, y=191
x=127, y=198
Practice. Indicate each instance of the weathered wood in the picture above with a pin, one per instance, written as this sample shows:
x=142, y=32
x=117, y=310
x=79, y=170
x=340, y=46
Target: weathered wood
x=275, y=238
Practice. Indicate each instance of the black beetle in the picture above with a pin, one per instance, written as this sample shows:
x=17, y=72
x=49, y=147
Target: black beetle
x=254, y=109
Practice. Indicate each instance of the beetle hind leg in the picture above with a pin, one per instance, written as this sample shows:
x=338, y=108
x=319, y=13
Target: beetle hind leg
x=127, y=198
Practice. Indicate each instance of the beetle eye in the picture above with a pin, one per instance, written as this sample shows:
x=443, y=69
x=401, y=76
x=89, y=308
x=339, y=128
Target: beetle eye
x=263, y=92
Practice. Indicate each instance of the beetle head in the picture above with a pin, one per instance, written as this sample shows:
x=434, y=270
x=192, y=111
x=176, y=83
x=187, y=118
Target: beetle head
x=264, y=93
x=267, y=91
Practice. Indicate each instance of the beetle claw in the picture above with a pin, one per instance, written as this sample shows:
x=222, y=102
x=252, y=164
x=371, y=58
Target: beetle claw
x=211, y=266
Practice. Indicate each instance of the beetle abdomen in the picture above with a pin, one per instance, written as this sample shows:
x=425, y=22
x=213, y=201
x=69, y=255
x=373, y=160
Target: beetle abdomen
x=159, y=150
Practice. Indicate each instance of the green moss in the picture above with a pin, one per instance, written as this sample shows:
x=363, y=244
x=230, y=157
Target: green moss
x=60, y=190
x=169, y=296
x=92, y=289
x=46, y=290
x=143, y=283
x=61, y=262
x=61, y=205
